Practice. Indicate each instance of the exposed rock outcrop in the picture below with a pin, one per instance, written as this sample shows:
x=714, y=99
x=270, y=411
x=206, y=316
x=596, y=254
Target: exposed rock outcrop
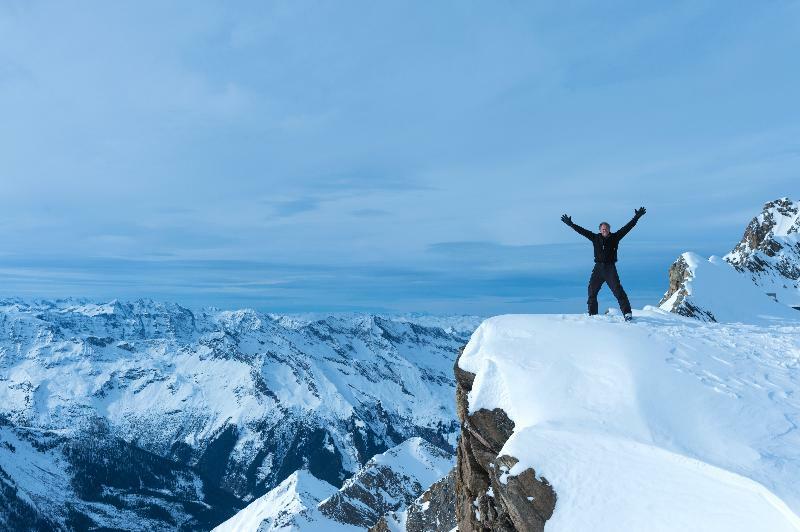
x=387, y=483
x=433, y=511
x=487, y=497
x=677, y=299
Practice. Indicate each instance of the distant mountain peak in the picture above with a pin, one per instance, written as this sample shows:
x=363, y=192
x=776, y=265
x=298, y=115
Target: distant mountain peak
x=291, y=505
x=769, y=251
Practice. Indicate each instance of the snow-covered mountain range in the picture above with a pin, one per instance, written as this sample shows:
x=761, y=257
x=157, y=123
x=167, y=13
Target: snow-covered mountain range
x=148, y=416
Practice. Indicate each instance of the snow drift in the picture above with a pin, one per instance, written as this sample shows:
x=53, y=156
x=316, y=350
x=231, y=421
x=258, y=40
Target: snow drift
x=664, y=424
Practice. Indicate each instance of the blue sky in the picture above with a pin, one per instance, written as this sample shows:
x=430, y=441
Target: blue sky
x=298, y=155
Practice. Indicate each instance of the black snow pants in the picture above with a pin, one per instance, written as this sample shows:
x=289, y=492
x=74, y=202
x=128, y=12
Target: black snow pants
x=606, y=272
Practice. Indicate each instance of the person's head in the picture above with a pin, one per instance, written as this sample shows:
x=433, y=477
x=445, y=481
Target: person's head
x=605, y=229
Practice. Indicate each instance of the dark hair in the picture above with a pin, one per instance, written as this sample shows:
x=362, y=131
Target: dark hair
x=606, y=224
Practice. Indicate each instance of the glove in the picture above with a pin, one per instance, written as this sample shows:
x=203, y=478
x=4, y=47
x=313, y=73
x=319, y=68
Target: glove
x=639, y=212
x=566, y=219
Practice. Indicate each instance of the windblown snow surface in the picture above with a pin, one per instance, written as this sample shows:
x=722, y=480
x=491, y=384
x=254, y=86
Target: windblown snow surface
x=666, y=423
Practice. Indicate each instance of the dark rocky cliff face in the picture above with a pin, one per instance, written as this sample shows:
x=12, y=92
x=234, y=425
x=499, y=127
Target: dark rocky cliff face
x=487, y=498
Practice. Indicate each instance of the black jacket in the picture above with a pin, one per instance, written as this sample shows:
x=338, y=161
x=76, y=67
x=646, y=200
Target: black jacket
x=605, y=248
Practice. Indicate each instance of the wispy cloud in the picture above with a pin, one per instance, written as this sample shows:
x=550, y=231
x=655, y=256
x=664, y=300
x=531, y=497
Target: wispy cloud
x=369, y=213
x=284, y=208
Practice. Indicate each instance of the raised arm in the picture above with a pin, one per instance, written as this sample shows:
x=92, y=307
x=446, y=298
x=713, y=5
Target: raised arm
x=625, y=229
x=578, y=229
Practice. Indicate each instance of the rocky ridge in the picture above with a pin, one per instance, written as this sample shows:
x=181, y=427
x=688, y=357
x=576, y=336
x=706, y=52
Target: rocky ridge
x=387, y=483
x=433, y=511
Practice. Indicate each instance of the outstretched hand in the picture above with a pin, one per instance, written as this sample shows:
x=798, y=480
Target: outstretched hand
x=639, y=212
x=566, y=219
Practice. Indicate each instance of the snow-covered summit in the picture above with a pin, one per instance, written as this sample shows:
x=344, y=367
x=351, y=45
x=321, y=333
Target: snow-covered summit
x=290, y=506
x=769, y=251
x=664, y=424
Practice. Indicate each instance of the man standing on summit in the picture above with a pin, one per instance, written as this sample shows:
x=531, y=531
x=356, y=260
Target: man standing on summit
x=605, y=257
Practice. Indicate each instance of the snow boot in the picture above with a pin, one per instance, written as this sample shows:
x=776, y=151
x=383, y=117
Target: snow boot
x=629, y=317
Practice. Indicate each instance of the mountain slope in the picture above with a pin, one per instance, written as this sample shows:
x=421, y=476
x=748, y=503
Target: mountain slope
x=388, y=482
x=664, y=424
x=97, y=480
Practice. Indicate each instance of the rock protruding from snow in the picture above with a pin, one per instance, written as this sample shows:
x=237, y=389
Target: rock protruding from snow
x=769, y=252
x=711, y=290
x=487, y=497
x=664, y=424
x=388, y=482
